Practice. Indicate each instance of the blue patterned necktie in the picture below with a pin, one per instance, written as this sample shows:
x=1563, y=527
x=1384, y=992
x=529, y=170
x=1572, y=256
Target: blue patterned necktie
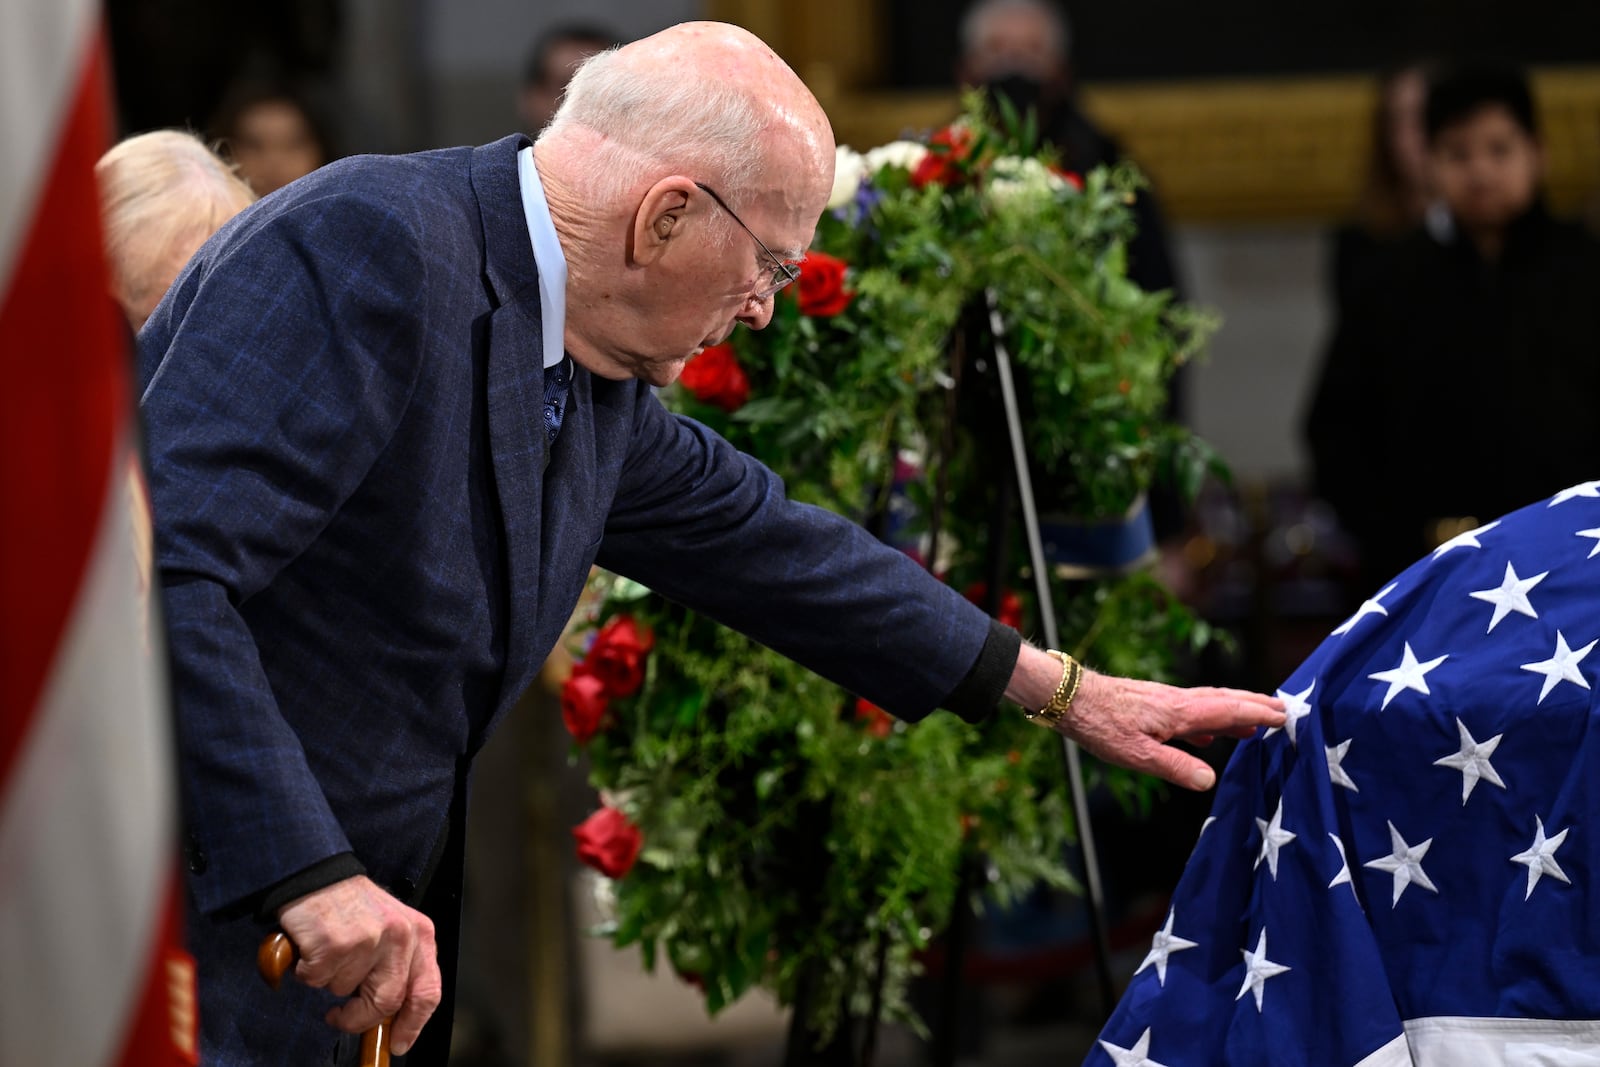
x=557, y=383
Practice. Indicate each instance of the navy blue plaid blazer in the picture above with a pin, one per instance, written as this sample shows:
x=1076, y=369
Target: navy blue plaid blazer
x=367, y=546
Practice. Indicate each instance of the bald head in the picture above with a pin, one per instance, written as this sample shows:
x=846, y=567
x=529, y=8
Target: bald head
x=684, y=173
x=704, y=98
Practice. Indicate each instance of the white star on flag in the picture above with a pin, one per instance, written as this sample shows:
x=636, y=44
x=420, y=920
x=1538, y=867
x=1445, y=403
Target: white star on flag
x=1343, y=877
x=1581, y=489
x=1405, y=863
x=1594, y=533
x=1465, y=540
x=1273, y=838
x=1410, y=674
x=1438, y=757
x=1368, y=607
x=1164, y=944
x=1472, y=761
x=1562, y=666
x=1296, y=706
x=1512, y=595
x=1336, y=771
x=1257, y=969
x=1540, y=859
x=1137, y=1056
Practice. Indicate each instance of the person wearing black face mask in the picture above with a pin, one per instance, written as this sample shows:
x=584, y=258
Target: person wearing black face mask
x=1017, y=51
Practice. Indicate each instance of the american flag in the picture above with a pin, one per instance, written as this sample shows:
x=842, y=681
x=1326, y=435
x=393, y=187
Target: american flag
x=90, y=969
x=1405, y=873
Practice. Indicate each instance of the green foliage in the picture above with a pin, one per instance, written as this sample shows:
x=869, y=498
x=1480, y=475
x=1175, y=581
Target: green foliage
x=785, y=835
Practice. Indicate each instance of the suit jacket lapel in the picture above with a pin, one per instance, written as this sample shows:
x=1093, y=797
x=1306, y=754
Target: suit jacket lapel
x=516, y=398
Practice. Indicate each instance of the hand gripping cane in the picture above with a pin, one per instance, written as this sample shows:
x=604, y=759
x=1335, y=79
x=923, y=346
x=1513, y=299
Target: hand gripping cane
x=277, y=955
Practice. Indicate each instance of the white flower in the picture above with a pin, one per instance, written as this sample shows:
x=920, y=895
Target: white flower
x=1012, y=177
x=848, y=170
x=604, y=892
x=902, y=154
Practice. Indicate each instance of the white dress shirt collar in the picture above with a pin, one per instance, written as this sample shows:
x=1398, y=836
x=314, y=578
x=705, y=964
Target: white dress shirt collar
x=548, y=256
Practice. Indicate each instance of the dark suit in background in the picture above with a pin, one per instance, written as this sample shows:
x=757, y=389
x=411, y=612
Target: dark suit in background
x=1458, y=388
x=368, y=548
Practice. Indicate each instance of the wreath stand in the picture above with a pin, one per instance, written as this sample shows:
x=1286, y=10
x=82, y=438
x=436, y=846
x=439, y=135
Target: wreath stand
x=984, y=325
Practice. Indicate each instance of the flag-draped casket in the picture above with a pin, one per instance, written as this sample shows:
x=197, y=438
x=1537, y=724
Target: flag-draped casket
x=1404, y=874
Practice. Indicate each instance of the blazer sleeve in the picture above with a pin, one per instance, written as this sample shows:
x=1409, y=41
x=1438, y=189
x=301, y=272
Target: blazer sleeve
x=278, y=367
x=707, y=526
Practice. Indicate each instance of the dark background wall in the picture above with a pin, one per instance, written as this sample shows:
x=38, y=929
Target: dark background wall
x=1155, y=39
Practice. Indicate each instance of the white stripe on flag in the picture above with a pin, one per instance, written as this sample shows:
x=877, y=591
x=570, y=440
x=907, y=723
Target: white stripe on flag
x=1450, y=1041
x=1395, y=1053
x=42, y=49
x=86, y=841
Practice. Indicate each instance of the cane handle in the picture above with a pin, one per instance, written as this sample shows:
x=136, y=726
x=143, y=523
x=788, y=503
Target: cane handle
x=277, y=956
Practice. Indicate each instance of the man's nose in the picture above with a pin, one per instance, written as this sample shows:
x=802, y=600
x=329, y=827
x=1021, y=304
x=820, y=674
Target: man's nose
x=757, y=313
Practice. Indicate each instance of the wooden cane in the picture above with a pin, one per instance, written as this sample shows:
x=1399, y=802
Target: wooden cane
x=274, y=958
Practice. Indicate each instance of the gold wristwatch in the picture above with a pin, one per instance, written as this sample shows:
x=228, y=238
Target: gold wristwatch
x=1071, y=674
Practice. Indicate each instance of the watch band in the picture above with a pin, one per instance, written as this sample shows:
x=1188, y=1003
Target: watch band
x=1053, y=712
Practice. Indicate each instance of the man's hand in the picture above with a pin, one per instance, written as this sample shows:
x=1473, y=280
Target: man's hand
x=1128, y=722
x=357, y=941
x=1125, y=721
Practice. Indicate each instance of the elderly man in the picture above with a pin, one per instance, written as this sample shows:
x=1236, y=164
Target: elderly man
x=396, y=412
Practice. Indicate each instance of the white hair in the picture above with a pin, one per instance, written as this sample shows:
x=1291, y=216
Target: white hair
x=157, y=191
x=972, y=23
x=657, y=120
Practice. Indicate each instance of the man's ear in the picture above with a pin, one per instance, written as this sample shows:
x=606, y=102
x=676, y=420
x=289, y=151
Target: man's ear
x=661, y=217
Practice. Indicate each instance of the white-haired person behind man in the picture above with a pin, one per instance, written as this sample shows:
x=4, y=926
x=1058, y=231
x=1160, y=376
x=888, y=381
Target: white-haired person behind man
x=394, y=415
x=161, y=195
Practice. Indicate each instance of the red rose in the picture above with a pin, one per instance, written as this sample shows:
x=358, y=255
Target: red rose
x=1010, y=611
x=1072, y=178
x=822, y=291
x=608, y=842
x=617, y=656
x=583, y=704
x=947, y=150
x=715, y=377
x=879, y=722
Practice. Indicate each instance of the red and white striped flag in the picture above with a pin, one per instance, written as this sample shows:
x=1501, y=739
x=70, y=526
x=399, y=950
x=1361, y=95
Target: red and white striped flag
x=90, y=972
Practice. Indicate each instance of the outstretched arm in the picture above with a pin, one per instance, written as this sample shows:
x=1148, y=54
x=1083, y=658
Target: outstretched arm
x=1129, y=722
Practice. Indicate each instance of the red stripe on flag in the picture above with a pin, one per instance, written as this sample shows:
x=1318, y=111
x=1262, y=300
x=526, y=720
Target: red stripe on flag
x=165, y=1027
x=63, y=404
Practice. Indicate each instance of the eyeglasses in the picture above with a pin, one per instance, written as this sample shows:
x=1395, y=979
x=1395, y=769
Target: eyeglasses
x=781, y=274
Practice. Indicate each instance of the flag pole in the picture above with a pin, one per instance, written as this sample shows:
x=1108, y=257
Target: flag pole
x=1093, y=891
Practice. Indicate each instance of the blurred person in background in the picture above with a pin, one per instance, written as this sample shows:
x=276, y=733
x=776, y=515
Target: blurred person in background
x=1398, y=195
x=272, y=133
x=555, y=55
x=1020, y=51
x=161, y=195
x=1461, y=377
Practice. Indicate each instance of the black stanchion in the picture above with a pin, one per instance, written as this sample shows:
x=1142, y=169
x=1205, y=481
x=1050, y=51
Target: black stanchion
x=1093, y=892
x=1013, y=484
